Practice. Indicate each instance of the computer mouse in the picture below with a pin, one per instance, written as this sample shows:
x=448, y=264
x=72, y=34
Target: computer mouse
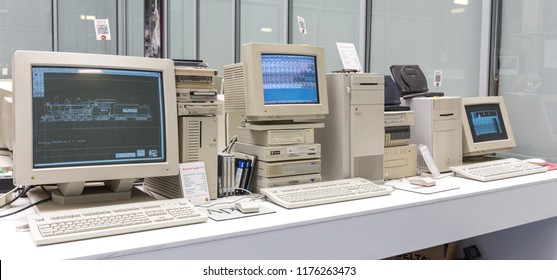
x=247, y=207
x=421, y=181
x=535, y=160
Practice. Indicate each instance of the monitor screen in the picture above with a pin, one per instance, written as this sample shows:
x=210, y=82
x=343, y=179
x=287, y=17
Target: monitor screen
x=93, y=118
x=87, y=116
x=289, y=79
x=277, y=82
x=486, y=126
x=486, y=122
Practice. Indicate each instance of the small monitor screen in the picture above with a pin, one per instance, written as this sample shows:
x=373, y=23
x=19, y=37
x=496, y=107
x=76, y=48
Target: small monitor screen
x=289, y=79
x=84, y=117
x=486, y=122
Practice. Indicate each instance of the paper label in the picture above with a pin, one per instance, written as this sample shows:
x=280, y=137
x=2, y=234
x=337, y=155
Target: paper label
x=302, y=25
x=194, y=182
x=437, y=78
x=349, y=56
x=102, y=29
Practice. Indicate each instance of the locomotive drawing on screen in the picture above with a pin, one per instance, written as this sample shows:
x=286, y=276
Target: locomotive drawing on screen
x=94, y=110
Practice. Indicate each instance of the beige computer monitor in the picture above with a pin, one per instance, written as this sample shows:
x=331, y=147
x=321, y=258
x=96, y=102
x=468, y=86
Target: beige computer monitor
x=89, y=117
x=277, y=82
x=486, y=126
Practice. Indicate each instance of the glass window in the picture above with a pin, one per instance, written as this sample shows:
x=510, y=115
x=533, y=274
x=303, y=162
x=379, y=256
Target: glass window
x=527, y=76
x=216, y=33
x=135, y=35
x=263, y=21
x=76, y=26
x=435, y=34
x=23, y=28
x=181, y=29
x=328, y=22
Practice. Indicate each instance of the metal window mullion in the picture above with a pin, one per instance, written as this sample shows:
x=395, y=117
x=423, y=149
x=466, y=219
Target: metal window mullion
x=55, y=25
x=237, y=29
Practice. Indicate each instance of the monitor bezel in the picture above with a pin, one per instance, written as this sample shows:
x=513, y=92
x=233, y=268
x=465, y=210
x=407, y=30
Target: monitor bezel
x=471, y=148
x=256, y=109
x=26, y=174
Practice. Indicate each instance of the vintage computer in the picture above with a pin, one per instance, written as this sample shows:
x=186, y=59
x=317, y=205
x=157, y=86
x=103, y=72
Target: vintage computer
x=284, y=87
x=277, y=82
x=486, y=130
x=353, y=137
x=486, y=126
x=90, y=125
x=85, y=117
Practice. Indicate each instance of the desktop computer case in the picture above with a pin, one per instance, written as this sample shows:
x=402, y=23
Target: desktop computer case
x=437, y=124
x=198, y=142
x=352, y=142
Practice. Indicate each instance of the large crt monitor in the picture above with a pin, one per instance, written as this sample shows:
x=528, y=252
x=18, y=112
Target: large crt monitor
x=486, y=126
x=92, y=118
x=277, y=82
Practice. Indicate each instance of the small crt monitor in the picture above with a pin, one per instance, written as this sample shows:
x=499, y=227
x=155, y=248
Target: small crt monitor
x=486, y=126
x=276, y=82
x=82, y=118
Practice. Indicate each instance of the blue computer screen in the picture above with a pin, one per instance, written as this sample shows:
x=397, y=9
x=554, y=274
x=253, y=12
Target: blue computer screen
x=289, y=79
x=486, y=122
x=85, y=116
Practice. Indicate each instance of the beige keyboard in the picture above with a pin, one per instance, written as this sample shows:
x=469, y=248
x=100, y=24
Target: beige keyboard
x=70, y=225
x=324, y=192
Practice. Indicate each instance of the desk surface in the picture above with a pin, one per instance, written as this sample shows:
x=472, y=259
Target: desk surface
x=371, y=228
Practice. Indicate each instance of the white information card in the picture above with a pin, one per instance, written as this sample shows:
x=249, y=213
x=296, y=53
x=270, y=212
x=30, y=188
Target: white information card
x=349, y=57
x=194, y=182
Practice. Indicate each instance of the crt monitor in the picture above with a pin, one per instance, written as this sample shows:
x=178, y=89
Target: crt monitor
x=277, y=82
x=92, y=118
x=486, y=126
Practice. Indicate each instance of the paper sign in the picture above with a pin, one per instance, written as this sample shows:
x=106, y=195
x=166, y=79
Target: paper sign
x=349, y=57
x=194, y=182
x=302, y=25
x=102, y=29
x=437, y=78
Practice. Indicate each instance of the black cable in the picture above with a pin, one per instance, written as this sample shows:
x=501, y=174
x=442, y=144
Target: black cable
x=20, y=194
x=26, y=207
x=23, y=192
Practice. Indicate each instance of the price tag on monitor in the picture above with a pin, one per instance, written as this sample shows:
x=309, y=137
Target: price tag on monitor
x=435, y=173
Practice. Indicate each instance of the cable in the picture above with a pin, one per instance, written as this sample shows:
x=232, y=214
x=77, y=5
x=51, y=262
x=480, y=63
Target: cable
x=6, y=195
x=30, y=205
x=232, y=202
x=230, y=144
x=21, y=192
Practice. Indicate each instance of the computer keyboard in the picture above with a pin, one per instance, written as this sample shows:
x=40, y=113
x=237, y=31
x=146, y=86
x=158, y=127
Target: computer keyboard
x=69, y=225
x=497, y=169
x=324, y=192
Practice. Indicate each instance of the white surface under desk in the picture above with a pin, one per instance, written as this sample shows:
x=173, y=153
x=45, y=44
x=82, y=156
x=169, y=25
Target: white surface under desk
x=370, y=228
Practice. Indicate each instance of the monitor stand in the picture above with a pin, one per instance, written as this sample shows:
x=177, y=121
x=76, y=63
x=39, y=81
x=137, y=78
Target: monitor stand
x=92, y=195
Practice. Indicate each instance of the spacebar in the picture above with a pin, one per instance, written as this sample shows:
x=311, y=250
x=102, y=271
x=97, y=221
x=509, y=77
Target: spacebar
x=108, y=227
x=319, y=198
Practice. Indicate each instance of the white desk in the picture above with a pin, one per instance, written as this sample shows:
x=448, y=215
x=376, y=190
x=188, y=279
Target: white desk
x=363, y=229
